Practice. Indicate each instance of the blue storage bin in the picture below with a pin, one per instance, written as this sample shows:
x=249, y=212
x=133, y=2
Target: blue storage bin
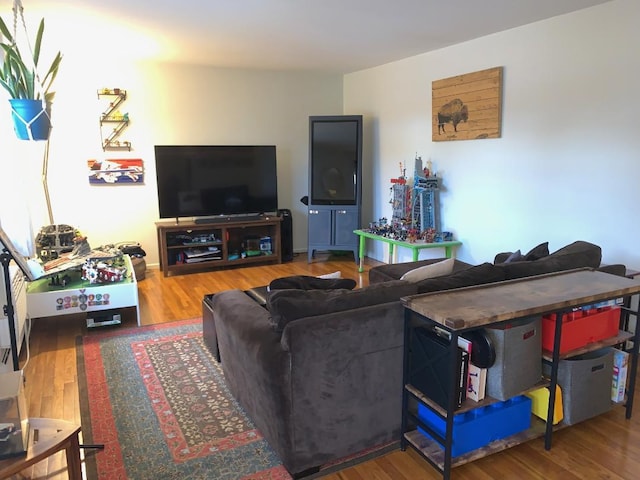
x=476, y=428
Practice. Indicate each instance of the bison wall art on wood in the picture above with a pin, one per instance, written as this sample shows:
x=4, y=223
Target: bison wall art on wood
x=468, y=106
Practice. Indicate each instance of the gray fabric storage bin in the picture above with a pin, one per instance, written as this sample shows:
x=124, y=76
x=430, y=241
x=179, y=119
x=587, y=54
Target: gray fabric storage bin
x=518, y=365
x=586, y=385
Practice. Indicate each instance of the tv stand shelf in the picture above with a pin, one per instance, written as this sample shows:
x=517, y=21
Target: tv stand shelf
x=189, y=246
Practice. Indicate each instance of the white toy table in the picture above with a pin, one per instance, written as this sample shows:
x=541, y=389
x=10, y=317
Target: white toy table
x=45, y=299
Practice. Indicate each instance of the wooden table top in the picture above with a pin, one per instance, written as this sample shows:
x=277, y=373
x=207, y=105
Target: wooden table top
x=52, y=436
x=476, y=306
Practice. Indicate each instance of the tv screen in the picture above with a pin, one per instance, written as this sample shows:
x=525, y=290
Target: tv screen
x=336, y=152
x=213, y=180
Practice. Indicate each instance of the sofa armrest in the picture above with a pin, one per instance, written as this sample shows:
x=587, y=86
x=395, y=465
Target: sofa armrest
x=614, y=269
x=243, y=324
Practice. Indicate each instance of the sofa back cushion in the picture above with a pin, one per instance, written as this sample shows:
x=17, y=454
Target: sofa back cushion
x=432, y=270
x=536, y=253
x=578, y=254
x=288, y=305
x=477, y=275
x=393, y=271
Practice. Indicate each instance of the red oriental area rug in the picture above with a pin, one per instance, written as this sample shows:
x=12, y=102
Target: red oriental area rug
x=157, y=400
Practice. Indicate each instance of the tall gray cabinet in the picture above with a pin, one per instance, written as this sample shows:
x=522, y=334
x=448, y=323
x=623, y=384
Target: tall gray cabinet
x=335, y=183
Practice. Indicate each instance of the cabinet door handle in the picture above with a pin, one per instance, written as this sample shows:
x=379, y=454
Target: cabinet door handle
x=314, y=212
x=342, y=212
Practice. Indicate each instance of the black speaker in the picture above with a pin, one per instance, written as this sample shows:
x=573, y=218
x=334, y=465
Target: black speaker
x=286, y=235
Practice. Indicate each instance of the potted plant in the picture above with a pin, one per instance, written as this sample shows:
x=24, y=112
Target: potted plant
x=30, y=93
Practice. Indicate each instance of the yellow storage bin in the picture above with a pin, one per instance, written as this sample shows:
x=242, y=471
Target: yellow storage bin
x=540, y=403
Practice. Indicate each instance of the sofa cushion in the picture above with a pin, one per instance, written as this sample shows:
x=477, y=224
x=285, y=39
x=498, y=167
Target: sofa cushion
x=514, y=257
x=288, y=305
x=477, y=275
x=393, y=271
x=307, y=282
x=526, y=269
x=579, y=254
x=445, y=267
x=537, y=252
x=337, y=274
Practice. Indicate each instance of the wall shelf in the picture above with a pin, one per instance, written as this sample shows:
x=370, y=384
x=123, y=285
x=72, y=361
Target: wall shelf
x=113, y=116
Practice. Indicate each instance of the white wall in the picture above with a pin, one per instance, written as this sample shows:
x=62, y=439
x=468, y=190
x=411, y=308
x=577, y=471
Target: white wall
x=167, y=104
x=567, y=166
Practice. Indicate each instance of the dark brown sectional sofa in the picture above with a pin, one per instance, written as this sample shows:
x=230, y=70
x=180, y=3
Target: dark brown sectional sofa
x=320, y=371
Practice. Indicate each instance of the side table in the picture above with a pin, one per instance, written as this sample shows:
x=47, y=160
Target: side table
x=415, y=247
x=46, y=437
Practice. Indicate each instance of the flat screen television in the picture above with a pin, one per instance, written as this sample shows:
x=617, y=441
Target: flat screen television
x=216, y=180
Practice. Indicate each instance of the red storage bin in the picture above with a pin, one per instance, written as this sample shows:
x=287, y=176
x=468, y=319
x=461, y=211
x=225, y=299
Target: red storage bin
x=581, y=327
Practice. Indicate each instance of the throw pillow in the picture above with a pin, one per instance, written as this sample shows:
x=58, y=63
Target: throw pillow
x=337, y=274
x=537, y=252
x=514, y=257
x=306, y=282
x=432, y=270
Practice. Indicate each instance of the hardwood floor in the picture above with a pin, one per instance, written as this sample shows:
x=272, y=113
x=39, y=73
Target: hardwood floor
x=607, y=446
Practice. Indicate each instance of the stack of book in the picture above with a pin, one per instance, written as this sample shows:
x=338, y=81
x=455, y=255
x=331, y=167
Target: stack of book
x=475, y=382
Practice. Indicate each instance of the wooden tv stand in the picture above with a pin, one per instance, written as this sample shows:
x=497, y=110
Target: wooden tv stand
x=190, y=246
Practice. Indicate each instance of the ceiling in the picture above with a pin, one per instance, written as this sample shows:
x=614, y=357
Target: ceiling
x=323, y=35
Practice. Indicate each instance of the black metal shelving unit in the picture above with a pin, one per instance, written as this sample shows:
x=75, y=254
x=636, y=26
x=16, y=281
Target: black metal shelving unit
x=438, y=452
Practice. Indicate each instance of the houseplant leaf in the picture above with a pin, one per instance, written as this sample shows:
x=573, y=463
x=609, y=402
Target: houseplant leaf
x=18, y=75
x=5, y=31
x=20, y=78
